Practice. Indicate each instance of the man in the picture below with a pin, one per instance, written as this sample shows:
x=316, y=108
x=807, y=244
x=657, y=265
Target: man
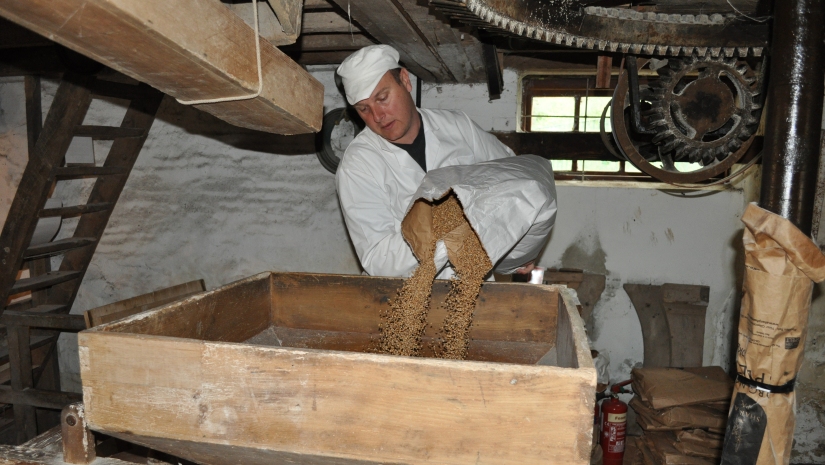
x=384, y=165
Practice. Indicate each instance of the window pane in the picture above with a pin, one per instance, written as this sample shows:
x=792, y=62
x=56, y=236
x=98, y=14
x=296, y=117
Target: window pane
x=686, y=167
x=601, y=166
x=553, y=114
x=630, y=168
x=592, y=107
x=562, y=165
x=592, y=125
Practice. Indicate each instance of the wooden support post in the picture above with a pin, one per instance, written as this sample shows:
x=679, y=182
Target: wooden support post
x=189, y=49
x=34, y=126
x=604, y=69
x=78, y=440
x=20, y=367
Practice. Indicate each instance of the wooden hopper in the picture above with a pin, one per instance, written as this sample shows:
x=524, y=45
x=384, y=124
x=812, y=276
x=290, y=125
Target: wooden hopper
x=274, y=369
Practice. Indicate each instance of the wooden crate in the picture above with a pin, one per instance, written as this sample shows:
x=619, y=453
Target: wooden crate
x=205, y=379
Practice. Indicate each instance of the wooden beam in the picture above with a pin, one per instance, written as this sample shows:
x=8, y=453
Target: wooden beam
x=38, y=397
x=289, y=15
x=320, y=58
x=330, y=43
x=460, y=50
x=317, y=5
x=20, y=368
x=390, y=25
x=209, y=55
x=316, y=22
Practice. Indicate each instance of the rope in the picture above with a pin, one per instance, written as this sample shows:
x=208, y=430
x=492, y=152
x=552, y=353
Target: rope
x=760, y=20
x=260, y=72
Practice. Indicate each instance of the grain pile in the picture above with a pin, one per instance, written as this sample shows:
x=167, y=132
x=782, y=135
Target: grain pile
x=406, y=319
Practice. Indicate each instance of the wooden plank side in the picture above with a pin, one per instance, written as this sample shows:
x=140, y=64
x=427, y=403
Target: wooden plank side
x=137, y=304
x=233, y=313
x=210, y=55
x=505, y=312
x=479, y=350
x=350, y=406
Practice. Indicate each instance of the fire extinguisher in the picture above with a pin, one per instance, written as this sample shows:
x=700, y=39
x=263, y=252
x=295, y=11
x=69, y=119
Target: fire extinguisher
x=614, y=426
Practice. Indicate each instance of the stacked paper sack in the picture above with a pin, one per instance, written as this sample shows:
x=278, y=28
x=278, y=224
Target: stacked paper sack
x=683, y=413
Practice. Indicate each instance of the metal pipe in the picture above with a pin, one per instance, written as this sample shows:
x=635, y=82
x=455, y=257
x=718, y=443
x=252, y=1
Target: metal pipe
x=794, y=112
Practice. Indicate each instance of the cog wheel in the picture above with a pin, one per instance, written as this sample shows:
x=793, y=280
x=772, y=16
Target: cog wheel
x=708, y=118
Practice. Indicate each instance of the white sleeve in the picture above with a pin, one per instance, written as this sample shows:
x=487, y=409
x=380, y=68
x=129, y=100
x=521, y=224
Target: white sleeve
x=487, y=146
x=373, y=229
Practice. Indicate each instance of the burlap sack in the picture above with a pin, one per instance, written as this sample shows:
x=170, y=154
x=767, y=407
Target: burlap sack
x=781, y=264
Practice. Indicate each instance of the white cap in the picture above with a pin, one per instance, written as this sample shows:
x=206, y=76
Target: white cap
x=362, y=70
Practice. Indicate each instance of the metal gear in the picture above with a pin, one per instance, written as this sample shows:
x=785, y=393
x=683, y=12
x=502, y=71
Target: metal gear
x=574, y=23
x=708, y=118
x=642, y=152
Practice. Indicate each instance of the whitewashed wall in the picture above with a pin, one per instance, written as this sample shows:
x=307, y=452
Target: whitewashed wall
x=207, y=201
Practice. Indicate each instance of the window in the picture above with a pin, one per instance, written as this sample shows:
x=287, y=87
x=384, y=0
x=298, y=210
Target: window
x=563, y=104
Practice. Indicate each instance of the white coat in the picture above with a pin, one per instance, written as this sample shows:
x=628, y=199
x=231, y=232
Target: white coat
x=377, y=180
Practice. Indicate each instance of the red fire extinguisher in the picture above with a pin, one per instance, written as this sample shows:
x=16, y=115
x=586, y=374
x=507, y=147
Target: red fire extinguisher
x=614, y=426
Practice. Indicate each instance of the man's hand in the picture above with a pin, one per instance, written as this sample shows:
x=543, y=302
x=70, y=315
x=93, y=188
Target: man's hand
x=527, y=268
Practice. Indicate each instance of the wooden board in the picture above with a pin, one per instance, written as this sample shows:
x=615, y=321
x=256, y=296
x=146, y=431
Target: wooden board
x=188, y=49
x=228, y=402
x=124, y=308
x=647, y=299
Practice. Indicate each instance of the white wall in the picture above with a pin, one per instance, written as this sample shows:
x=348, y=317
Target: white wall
x=208, y=201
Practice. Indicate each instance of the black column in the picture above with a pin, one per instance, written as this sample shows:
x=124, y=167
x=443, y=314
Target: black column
x=794, y=111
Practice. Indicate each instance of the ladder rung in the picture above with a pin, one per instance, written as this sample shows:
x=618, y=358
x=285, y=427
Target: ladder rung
x=75, y=210
x=108, y=132
x=57, y=247
x=44, y=320
x=43, y=281
x=74, y=172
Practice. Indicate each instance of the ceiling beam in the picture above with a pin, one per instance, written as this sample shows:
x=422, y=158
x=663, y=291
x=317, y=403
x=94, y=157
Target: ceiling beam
x=390, y=24
x=329, y=43
x=461, y=51
x=189, y=49
x=316, y=22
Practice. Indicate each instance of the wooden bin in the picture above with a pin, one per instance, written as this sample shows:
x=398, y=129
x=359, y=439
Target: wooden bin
x=197, y=379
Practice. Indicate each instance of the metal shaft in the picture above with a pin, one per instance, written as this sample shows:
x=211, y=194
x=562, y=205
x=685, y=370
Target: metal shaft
x=794, y=111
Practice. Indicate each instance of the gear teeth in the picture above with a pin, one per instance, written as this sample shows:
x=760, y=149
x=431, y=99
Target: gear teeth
x=730, y=51
x=602, y=45
x=636, y=48
x=662, y=136
x=669, y=146
x=715, y=51
x=703, y=19
x=661, y=50
x=742, y=69
x=757, y=51
x=624, y=47
x=742, y=51
x=613, y=46
x=716, y=18
x=701, y=51
x=649, y=49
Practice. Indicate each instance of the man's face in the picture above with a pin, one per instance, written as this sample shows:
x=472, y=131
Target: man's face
x=389, y=111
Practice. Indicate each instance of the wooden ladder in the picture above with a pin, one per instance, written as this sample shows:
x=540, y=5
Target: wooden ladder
x=54, y=291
